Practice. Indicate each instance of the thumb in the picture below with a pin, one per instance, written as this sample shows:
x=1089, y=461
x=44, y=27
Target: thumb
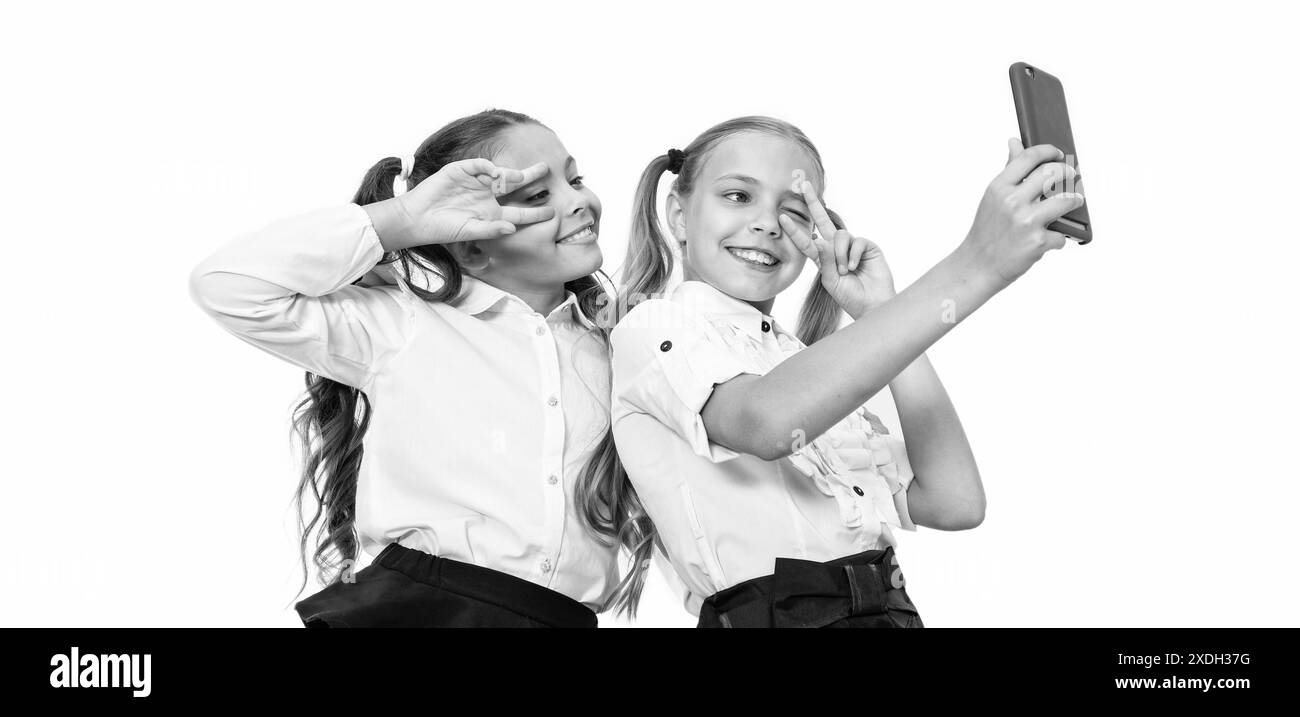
x=1013, y=148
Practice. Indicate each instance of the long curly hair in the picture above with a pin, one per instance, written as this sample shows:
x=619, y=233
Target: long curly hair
x=331, y=420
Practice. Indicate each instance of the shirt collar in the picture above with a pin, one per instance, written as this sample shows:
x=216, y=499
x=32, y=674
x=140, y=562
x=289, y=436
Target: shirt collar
x=477, y=296
x=705, y=298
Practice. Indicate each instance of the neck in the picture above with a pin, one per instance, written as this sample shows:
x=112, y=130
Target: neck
x=764, y=306
x=542, y=299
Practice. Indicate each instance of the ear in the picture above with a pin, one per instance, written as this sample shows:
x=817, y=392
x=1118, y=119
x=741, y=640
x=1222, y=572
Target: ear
x=470, y=255
x=675, y=215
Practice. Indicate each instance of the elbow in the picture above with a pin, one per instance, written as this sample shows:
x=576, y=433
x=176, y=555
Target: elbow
x=970, y=519
x=763, y=426
x=947, y=512
x=769, y=437
x=966, y=514
x=771, y=450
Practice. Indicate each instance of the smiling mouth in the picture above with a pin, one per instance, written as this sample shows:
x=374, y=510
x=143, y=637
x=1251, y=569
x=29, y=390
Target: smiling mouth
x=585, y=235
x=755, y=257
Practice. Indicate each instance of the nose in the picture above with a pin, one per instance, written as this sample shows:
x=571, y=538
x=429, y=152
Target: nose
x=579, y=202
x=765, y=223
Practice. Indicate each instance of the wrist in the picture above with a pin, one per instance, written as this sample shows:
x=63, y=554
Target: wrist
x=964, y=263
x=391, y=223
x=872, y=304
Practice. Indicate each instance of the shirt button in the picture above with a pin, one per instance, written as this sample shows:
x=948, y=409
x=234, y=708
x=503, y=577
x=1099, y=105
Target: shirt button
x=665, y=346
x=766, y=326
x=858, y=490
x=546, y=565
x=541, y=331
x=552, y=401
x=553, y=479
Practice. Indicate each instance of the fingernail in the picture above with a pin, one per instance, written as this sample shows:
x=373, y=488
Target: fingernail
x=508, y=230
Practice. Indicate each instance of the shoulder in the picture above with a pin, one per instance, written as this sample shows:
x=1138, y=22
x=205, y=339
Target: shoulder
x=659, y=314
x=651, y=323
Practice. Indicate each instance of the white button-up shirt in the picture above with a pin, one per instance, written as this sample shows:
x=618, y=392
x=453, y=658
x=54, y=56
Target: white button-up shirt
x=724, y=517
x=483, y=412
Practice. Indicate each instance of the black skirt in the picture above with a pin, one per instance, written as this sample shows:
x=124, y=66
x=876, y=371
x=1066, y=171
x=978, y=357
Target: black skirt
x=410, y=588
x=863, y=590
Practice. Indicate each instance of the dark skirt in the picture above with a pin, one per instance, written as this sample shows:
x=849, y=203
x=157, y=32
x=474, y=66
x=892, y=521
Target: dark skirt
x=863, y=590
x=410, y=588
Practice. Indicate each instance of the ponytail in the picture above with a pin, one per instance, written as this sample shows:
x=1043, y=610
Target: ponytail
x=650, y=259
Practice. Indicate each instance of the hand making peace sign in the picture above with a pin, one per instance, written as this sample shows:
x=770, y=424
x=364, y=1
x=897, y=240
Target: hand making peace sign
x=853, y=269
x=459, y=203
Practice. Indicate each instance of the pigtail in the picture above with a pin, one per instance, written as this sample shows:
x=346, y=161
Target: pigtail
x=377, y=184
x=611, y=510
x=608, y=506
x=649, y=265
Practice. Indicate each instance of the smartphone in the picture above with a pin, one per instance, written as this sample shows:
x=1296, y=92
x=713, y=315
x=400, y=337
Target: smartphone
x=1040, y=110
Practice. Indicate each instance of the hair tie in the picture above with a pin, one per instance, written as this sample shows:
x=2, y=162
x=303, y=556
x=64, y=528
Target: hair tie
x=399, y=182
x=676, y=158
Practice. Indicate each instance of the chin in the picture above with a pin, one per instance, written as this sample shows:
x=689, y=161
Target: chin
x=590, y=261
x=752, y=288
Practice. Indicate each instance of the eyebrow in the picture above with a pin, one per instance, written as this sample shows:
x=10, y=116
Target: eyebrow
x=745, y=178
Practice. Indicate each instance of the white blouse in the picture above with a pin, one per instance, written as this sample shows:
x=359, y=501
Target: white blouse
x=724, y=517
x=483, y=412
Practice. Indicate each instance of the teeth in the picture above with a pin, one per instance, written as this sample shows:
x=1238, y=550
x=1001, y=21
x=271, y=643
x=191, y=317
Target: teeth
x=756, y=257
x=580, y=236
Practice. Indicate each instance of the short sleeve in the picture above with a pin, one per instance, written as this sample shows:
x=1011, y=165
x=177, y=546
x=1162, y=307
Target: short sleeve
x=287, y=290
x=666, y=362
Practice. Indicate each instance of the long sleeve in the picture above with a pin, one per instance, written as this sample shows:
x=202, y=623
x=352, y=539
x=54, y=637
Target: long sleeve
x=287, y=289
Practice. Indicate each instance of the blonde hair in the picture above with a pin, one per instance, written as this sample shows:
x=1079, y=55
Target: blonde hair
x=650, y=258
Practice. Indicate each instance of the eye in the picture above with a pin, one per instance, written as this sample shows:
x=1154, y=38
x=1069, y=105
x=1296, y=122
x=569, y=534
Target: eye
x=577, y=181
x=740, y=196
x=539, y=197
x=802, y=217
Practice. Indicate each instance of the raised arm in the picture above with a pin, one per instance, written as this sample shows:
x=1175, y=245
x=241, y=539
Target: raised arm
x=816, y=388
x=287, y=289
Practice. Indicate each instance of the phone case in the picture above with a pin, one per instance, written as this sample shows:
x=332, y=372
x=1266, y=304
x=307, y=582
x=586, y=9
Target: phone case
x=1044, y=119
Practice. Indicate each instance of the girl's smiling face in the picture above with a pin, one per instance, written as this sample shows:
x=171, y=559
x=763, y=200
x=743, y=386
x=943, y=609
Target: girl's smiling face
x=733, y=240
x=545, y=254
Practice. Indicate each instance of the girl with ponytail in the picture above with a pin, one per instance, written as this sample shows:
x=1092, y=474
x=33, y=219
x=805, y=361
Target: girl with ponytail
x=774, y=492
x=455, y=425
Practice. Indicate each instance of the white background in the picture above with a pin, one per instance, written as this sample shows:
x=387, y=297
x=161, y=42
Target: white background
x=1130, y=402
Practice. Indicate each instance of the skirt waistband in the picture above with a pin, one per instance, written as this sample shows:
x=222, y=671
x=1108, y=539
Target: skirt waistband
x=805, y=593
x=487, y=585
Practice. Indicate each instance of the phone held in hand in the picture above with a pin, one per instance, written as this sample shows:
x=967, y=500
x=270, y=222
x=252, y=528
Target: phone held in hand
x=1043, y=118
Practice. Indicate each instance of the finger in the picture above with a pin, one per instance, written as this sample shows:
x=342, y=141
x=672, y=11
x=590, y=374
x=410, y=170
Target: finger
x=1044, y=181
x=508, y=180
x=820, y=218
x=856, y=251
x=827, y=267
x=477, y=168
x=481, y=229
x=802, y=240
x=841, y=244
x=1053, y=208
x=1056, y=240
x=527, y=215
x=1013, y=148
x=1022, y=164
